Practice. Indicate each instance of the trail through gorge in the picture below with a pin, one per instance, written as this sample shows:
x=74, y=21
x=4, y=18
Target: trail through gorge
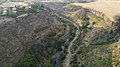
x=68, y=56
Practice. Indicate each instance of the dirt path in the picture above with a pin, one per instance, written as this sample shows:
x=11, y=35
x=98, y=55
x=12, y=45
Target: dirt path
x=77, y=50
x=68, y=57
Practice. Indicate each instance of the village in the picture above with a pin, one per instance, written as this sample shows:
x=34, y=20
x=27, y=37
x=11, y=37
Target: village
x=14, y=9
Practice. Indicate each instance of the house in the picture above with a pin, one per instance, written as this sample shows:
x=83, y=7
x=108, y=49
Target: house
x=26, y=7
x=14, y=9
x=29, y=7
x=4, y=12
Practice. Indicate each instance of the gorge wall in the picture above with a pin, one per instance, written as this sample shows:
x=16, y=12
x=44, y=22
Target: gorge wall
x=100, y=14
x=18, y=35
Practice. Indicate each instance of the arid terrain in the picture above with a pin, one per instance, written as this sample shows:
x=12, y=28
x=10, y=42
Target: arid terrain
x=60, y=34
x=110, y=8
x=8, y=4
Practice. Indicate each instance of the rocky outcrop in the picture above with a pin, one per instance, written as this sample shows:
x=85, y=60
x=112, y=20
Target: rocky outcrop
x=100, y=14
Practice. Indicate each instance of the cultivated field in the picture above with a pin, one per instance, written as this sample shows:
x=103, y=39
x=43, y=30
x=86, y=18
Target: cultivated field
x=110, y=8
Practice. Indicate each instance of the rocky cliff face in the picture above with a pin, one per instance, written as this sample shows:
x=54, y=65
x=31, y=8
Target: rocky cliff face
x=100, y=14
x=97, y=40
x=102, y=27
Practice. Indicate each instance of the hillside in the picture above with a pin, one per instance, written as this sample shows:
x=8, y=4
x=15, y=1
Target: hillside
x=108, y=7
x=95, y=45
x=39, y=32
x=71, y=36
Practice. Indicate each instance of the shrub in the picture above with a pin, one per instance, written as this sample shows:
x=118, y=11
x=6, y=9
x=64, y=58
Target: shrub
x=36, y=7
x=13, y=15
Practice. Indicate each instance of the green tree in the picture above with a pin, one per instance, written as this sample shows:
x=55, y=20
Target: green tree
x=28, y=61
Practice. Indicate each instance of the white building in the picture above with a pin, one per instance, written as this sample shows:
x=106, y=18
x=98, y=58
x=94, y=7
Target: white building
x=14, y=9
x=29, y=7
x=4, y=12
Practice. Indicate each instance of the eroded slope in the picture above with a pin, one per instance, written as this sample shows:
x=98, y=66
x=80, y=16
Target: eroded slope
x=95, y=46
x=108, y=7
x=34, y=40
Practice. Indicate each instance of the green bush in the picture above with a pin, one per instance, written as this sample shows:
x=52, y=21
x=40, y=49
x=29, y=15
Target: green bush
x=13, y=15
x=36, y=7
x=28, y=61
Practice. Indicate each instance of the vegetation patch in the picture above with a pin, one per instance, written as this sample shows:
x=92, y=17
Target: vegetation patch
x=44, y=53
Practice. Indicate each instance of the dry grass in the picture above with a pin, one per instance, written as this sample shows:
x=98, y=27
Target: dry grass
x=110, y=8
x=115, y=49
x=5, y=20
x=99, y=22
x=9, y=4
